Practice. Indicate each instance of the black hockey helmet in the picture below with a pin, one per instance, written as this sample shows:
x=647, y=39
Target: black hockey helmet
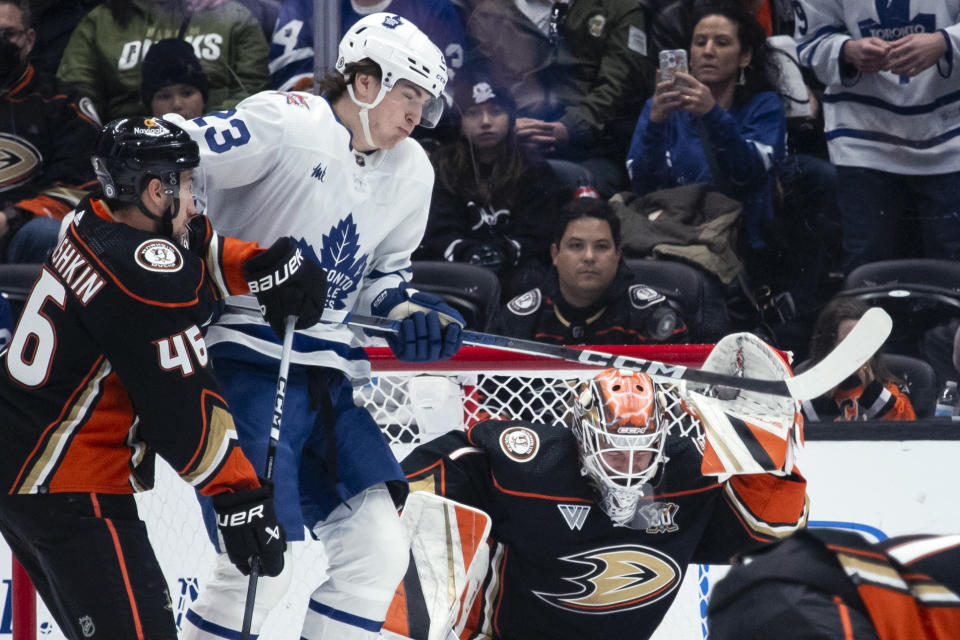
x=132, y=151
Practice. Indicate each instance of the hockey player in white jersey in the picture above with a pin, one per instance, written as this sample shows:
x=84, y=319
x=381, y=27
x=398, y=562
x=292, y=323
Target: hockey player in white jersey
x=338, y=173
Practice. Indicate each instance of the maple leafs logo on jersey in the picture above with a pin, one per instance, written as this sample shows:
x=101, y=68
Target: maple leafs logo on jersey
x=339, y=258
x=895, y=21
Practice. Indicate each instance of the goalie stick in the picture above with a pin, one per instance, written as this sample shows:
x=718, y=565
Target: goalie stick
x=869, y=334
x=288, y=331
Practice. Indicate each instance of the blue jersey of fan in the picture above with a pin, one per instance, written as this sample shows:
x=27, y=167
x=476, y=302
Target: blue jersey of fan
x=291, y=50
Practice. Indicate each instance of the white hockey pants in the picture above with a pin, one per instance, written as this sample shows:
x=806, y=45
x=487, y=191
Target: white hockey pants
x=368, y=552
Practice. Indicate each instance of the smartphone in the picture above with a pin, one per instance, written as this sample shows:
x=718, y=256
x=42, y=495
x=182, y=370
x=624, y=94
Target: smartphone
x=672, y=61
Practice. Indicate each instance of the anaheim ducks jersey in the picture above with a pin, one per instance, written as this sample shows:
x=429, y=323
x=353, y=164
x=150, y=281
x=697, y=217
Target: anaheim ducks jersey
x=628, y=312
x=908, y=586
x=108, y=366
x=561, y=568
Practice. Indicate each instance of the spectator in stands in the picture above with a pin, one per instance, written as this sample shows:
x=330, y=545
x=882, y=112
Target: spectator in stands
x=579, y=73
x=48, y=133
x=54, y=21
x=590, y=296
x=106, y=50
x=891, y=109
x=173, y=80
x=872, y=393
x=490, y=197
x=671, y=21
x=721, y=124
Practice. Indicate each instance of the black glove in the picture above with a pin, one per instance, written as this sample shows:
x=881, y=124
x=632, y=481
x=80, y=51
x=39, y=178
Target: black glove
x=249, y=528
x=287, y=283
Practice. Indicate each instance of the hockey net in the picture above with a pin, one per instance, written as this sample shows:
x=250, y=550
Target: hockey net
x=411, y=404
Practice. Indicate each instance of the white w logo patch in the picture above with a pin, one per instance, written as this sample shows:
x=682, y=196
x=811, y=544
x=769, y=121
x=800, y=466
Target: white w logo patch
x=574, y=514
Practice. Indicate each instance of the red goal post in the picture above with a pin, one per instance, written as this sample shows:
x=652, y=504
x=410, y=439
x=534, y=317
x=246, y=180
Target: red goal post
x=409, y=401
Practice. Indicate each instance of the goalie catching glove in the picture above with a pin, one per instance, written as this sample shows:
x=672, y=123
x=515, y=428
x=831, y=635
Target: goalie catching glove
x=248, y=524
x=430, y=329
x=287, y=283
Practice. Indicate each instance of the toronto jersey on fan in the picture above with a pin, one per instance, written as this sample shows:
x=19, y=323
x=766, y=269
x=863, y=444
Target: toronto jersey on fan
x=360, y=214
x=562, y=569
x=80, y=396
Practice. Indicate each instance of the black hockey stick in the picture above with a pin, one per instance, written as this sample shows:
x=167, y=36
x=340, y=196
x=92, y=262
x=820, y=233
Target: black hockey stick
x=288, y=331
x=853, y=352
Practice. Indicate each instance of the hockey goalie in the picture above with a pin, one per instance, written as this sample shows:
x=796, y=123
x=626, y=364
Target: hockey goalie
x=592, y=526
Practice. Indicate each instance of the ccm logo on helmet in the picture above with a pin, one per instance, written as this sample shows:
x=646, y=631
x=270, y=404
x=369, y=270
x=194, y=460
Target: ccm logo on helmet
x=240, y=518
x=279, y=276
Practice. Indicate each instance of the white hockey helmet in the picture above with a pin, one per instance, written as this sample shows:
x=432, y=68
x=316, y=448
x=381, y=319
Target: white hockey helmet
x=617, y=422
x=403, y=53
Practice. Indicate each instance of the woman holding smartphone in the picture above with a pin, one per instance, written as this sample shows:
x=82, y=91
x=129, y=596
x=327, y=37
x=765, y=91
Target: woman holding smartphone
x=722, y=124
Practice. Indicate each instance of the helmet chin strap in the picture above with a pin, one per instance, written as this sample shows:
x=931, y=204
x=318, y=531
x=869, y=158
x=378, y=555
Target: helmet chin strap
x=365, y=111
x=166, y=220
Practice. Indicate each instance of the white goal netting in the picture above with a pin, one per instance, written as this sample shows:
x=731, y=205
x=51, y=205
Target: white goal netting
x=410, y=406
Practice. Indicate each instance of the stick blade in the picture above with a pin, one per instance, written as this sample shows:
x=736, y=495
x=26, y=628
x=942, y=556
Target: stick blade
x=864, y=340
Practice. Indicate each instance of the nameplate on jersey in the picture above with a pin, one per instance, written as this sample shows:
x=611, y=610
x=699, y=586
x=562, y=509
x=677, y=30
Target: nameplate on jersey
x=526, y=303
x=574, y=515
x=642, y=296
x=520, y=444
x=158, y=255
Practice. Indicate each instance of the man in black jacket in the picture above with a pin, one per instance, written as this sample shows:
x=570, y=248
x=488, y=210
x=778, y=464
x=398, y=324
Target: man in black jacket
x=46, y=135
x=590, y=296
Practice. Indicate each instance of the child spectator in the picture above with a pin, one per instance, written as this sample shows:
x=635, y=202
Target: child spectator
x=872, y=393
x=173, y=80
x=491, y=198
x=107, y=48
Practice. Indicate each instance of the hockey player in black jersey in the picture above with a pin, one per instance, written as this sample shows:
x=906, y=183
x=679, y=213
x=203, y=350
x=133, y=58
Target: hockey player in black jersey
x=827, y=584
x=595, y=525
x=108, y=367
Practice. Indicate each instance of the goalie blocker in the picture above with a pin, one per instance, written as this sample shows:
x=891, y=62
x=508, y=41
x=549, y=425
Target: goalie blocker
x=604, y=517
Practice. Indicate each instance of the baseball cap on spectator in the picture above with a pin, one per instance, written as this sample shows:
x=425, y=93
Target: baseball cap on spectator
x=171, y=61
x=477, y=88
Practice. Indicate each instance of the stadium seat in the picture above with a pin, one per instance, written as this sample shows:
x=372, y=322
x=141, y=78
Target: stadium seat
x=698, y=294
x=919, y=293
x=472, y=290
x=920, y=378
x=16, y=280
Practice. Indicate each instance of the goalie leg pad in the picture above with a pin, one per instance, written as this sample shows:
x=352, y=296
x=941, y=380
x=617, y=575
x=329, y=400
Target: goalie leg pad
x=367, y=550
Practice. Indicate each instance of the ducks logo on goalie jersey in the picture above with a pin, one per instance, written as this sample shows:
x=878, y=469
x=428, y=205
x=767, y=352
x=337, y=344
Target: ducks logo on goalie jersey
x=619, y=578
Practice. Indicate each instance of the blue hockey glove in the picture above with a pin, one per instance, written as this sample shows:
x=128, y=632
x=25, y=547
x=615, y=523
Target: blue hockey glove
x=430, y=329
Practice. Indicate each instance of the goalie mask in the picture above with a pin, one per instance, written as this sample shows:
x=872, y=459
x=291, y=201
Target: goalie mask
x=132, y=151
x=403, y=52
x=618, y=426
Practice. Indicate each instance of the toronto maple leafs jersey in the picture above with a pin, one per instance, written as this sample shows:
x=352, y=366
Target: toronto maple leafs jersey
x=282, y=164
x=561, y=569
x=880, y=120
